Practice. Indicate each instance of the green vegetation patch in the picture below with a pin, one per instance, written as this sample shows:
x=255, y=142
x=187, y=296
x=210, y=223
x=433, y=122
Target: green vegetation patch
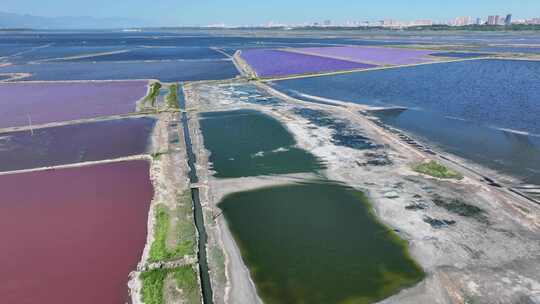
x=186, y=280
x=459, y=207
x=152, y=94
x=183, y=232
x=152, y=286
x=153, y=282
x=157, y=155
x=158, y=250
x=172, y=97
x=218, y=261
x=436, y=169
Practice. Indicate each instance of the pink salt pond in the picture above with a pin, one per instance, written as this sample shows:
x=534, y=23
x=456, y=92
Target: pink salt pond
x=72, y=235
x=23, y=103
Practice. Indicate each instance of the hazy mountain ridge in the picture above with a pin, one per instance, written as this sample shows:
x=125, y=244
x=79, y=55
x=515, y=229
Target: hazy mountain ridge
x=10, y=20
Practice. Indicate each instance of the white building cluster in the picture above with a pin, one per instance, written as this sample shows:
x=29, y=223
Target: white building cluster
x=494, y=20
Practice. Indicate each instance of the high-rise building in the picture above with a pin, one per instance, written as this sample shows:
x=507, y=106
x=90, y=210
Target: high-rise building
x=422, y=22
x=508, y=19
x=493, y=20
x=327, y=22
x=461, y=21
x=390, y=22
x=478, y=21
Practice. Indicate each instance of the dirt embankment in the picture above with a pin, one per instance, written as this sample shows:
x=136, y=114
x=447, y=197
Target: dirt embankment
x=169, y=173
x=242, y=66
x=231, y=282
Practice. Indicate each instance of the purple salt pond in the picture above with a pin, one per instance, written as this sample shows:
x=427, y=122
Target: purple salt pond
x=272, y=63
x=374, y=55
x=75, y=143
x=62, y=101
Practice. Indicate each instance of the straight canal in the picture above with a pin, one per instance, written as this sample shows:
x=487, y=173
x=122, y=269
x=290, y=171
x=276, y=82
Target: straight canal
x=198, y=213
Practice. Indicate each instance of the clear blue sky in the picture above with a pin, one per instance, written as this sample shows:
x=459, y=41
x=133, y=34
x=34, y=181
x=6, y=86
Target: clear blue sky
x=236, y=12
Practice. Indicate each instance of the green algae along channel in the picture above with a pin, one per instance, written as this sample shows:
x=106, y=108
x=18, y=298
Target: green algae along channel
x=311, y=242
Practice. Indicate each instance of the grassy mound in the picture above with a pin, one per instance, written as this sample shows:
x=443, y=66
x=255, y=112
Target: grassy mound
x=436, y=169
x=183, y=231
x=153, y=94
x=153, y=283
x=152, y=286
x=172, y=97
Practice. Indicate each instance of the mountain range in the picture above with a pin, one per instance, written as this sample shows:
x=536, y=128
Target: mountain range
x=11, y=20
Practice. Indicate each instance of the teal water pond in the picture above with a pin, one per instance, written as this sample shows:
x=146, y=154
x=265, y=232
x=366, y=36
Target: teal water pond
x=250, y=143
x=317, y=243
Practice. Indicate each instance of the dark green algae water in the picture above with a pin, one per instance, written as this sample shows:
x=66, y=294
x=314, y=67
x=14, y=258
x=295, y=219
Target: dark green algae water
x=313, y=242
x=250, y=143
x=317, y=243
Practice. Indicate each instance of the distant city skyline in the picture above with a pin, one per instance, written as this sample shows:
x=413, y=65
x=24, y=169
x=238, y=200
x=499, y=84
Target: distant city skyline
x=242, y=12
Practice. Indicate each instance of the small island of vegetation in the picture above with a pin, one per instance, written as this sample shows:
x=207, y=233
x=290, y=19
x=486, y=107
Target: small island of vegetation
x=435, y=169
